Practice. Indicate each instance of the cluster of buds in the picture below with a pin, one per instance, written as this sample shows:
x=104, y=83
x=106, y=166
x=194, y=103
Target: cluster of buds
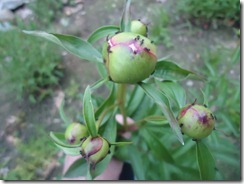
x=94, y=149
x=130, y=57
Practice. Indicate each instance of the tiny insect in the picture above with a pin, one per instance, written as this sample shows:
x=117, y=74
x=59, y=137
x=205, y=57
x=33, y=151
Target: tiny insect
x=146, y=49
x=107, y=38
x=83, y=138
x=142, y=42
x=108, y=49
x=194, y=102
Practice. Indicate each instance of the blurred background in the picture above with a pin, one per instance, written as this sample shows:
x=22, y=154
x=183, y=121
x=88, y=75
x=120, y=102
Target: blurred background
x=36, y=76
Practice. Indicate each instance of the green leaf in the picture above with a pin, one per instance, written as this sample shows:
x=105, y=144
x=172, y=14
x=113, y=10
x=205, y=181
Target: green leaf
x=59, y=141
x=168, y=70
x=173, y=91
x=236, y=56
x=77, y=169
x=187, y=173
x=205, y=160
x=102, y=32
x=88, y=112
x=105, y=105
x=137, y=162
x=125, y=20
x=163, y=102
x=99, y=83
x=102, y=70
x=135, y=100
x=62, y=114
x=157, y=120
x=74, y=45
x=228, y=123
x=156, y=147
x=120, y=143
x=205, y=98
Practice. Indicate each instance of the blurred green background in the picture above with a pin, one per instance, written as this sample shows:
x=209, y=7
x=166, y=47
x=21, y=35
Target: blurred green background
x=203, y=36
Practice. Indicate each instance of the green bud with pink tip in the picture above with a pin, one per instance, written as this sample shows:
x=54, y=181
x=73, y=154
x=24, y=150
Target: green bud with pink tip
x=129, y=57
x=75, y=132
x=196, y=121
x=95, y=149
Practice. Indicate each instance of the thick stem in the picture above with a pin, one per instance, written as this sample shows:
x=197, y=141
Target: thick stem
x=121, y=95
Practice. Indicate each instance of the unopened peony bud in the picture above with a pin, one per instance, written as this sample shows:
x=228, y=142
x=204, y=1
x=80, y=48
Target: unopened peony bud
x=196, y=121
x=94, y=149
x=129, y=57
x=75, y=132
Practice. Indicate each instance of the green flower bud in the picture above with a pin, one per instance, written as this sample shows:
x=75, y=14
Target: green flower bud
x=138, y=27
x=95, y=149
x=129, y=57
x=196, y=121
x=75, y=132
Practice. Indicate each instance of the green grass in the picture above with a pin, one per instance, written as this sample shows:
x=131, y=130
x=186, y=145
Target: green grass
x=227, y=11
x=34, y=156
x=222, y=92
x=29, y=67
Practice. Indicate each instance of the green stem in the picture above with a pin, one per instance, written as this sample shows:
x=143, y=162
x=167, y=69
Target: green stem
x=104, y=114
x=121, y=95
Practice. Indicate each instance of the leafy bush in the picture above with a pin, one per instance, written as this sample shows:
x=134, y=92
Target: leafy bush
x=211, y=10
x=45, y=11
x=28, y=66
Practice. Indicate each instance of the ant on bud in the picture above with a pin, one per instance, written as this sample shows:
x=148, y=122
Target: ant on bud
x=142, y=42
x=108, y=49
x=147, y=49
x=107, y=38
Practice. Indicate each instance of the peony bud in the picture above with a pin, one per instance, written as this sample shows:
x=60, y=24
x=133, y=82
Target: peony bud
x=138, y=27
x=196, y=121
x=129, y=57
x=94, y=149
x=75, y=132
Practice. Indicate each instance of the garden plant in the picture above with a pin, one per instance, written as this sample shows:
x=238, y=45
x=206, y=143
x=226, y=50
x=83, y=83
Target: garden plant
x=162, y=134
